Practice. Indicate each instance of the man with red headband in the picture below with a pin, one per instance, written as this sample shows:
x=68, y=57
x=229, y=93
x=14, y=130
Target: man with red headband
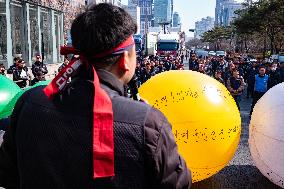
x=86, y=133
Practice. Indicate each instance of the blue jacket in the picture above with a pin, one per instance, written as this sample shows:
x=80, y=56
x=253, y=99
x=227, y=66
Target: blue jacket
x=261, y=83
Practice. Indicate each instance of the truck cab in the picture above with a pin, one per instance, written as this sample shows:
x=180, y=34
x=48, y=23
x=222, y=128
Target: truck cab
x=168, y=44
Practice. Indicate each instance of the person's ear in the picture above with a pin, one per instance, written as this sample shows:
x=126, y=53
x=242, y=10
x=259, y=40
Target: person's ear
x=123, y=62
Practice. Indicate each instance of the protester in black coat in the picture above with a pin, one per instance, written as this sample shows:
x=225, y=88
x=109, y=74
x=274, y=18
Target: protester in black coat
x=13, y=67
x=146, y=73
x=86, y=134
x=251, y=72
x=20, y=74
x=274, y=75
x=193, y=62
x=38, y=66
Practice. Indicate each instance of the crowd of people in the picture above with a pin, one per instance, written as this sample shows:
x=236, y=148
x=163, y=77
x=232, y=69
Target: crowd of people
x=152, y=65
x=236, y=73
x=20, y=72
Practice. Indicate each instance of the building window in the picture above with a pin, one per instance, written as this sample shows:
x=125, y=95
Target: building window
x=17, y=29
x=45, y=21
x=3, y=32
x=34, y=30
x=58, y=33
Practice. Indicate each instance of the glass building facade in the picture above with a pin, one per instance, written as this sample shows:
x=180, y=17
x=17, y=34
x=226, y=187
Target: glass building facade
x=176, y=20
x=30, y=27
x=162, y=12
x=146, y=14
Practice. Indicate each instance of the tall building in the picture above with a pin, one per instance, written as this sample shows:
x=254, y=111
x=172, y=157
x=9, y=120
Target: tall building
x=225, y=11
x=176, y=20
x=134, y=11
x=203, y=26
x=218, y=10
x=32, y=27
x=228, y=12
x=146, y=14
x=163, y=12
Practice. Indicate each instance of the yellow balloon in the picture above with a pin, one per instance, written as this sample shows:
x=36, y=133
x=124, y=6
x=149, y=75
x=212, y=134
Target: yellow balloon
x=206, y=121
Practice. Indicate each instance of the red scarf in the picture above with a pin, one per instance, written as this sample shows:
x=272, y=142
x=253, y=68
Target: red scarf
x=103, y=143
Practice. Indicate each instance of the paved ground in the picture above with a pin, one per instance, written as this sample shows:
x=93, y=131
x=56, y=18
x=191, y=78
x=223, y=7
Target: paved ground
x=240, y=173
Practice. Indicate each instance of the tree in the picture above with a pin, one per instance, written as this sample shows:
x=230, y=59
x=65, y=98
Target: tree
x=196, y=43
x=261, y=21
x=217, y=36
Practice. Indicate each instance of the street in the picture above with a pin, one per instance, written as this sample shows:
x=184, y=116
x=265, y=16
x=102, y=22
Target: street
x=240, y=173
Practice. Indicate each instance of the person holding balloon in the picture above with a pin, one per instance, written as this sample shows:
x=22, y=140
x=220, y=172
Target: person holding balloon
x=86, y=134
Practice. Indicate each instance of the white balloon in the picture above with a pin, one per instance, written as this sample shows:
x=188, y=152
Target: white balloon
x=266, y=135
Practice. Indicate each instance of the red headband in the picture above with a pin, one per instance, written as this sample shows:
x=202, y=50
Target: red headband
x=103, y=142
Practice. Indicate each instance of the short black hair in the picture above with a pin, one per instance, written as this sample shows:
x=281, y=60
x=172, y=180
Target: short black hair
x=20, y=60
x=16, y=59
x=261, y=67
x=101, y=28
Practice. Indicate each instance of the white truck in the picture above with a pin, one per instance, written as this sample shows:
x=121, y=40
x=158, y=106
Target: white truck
x=168, y=44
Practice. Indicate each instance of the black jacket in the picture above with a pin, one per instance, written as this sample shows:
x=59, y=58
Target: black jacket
x=145, y=75
x=18, y=78
x=281, y=74
x=39, y=67
x=274, y=78
x=11, y=69
x=49, y=144
x=34, y=81
x=193, y=65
